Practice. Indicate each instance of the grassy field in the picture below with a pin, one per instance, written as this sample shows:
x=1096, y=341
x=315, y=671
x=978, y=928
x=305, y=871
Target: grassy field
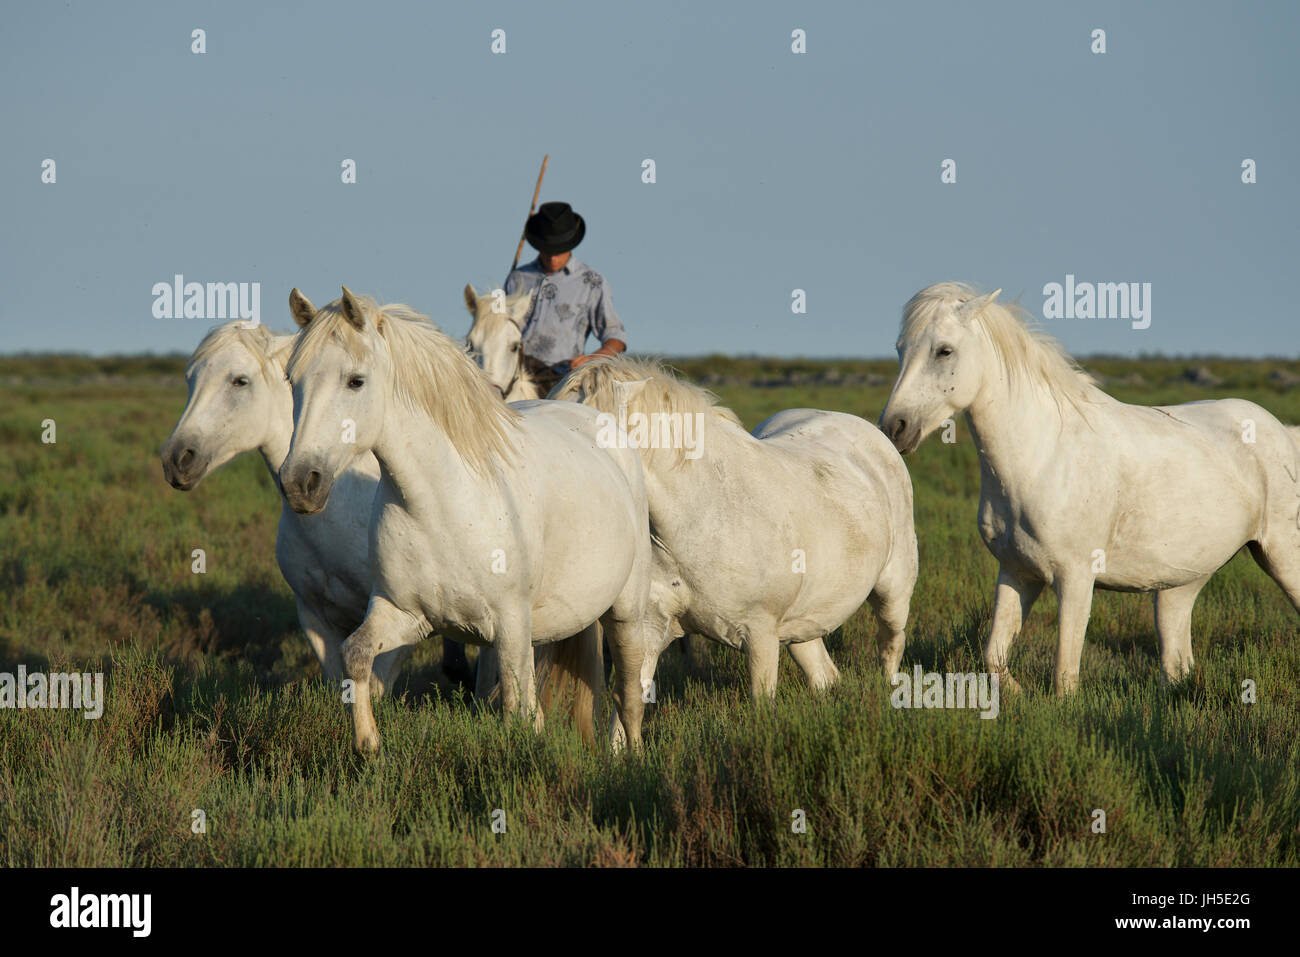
x=215, y=703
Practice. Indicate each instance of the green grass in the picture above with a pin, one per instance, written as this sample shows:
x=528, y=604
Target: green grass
x=215, y=703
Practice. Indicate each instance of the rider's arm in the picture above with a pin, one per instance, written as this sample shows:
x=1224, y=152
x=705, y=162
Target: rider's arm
x=605, y=326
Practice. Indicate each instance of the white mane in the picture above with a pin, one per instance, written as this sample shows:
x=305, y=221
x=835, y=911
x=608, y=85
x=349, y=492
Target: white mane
x=257, y=339
x=431, y=374
x=1025, y=349
x=665, y=393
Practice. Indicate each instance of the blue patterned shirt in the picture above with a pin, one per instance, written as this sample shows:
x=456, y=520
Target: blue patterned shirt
x=568, y=305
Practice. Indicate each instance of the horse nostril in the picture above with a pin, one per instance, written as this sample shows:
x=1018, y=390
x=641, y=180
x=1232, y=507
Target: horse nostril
x=313, y=482
x=895, y=431
x=183, y=460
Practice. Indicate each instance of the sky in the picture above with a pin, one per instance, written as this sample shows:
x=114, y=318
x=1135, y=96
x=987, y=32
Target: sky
x=774, y=170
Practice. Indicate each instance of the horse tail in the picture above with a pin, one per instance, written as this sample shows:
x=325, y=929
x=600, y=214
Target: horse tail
x=573, y=668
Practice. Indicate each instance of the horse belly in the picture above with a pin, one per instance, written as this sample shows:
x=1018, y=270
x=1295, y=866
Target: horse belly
x=586, y=568
x=821, y=610
x=803, y=597
x=1182, y=514
x=1149, y=551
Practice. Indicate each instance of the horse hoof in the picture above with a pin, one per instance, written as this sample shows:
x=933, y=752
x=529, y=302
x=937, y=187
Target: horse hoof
x=367, y=745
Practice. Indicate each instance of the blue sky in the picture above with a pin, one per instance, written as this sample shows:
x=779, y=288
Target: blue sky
x=775, y=171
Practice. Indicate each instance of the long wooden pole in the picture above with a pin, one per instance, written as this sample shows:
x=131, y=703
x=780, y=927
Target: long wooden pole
x=532, y=208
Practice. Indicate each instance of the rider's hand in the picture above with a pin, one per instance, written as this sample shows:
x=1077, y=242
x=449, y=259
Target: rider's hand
x=579, y=360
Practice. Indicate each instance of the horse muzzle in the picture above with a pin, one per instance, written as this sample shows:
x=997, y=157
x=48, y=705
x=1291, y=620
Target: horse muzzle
x=183, y=467
x=305, y=489
x=903, y=432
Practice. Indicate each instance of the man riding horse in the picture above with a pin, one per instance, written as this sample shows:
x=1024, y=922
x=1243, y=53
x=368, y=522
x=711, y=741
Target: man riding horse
x=571, y=301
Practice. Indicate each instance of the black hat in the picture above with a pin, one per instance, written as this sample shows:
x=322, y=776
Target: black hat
x=555, y=228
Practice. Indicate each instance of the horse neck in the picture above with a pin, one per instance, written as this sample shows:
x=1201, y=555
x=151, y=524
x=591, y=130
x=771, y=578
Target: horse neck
x=275, y=447
x=1013, y=426
x=418, y=460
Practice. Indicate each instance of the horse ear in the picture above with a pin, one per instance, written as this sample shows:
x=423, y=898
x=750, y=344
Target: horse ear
x=301, y=309
x=471, y=299
x=972, y=307
x=352, y=310
x=625, y=392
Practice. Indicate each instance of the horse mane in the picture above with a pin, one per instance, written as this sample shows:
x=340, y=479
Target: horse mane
x=255, y=337
x=665, y=393
x=1024, y=348
x=431, y=374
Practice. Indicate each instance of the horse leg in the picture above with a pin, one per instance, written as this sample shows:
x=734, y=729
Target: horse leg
x=1011, y=607
x=1074, y=595
x=815, y=662
x=324, y=639
x=388, y=666
x=1174, y=627
x=1281, y=562
x=514, y=649
x=652, y=649
x=891, y=622
x=763, y=651
x=617, y=736
x=628, y=646
x=385, y=626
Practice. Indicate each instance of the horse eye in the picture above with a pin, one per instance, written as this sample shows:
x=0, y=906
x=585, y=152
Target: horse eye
x=356, y=382
x=516, y=347
x=239, y=380
x=943, y=352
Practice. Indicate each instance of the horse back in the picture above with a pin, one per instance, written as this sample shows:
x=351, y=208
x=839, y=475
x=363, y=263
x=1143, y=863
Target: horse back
x=819, y=439
x=852, y=463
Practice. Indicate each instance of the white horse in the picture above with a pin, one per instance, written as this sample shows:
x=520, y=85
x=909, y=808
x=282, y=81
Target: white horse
x=240, y=400
x=1080, y=491
x=496, y=340
x=506, y=526
x=765, y=539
